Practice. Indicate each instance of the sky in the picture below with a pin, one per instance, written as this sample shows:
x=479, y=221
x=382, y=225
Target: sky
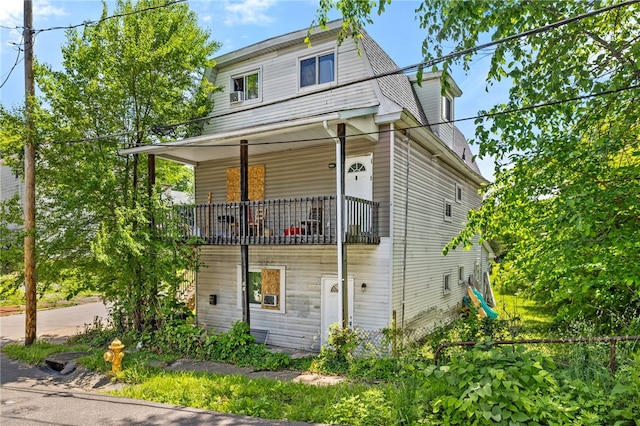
x=236, y=24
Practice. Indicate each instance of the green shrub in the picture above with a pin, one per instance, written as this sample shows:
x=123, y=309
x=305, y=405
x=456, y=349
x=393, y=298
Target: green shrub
x=337, y=355
x=496, y=385
x=370, y=407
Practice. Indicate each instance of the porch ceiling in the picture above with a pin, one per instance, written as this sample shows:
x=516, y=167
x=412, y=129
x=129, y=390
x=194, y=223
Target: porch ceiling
x=280, y=137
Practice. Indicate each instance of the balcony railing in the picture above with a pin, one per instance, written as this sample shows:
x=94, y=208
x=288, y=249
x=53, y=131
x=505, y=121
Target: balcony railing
x=311, y=220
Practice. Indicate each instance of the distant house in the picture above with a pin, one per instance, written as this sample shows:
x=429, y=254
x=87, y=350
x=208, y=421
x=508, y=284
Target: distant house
x=312, y=117
x=11, y=186
x=10, y=183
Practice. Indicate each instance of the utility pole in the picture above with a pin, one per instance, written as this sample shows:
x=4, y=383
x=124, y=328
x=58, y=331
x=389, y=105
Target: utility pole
x=29, y=182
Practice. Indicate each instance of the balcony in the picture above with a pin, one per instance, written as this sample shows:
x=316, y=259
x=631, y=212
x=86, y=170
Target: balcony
x=311, y=220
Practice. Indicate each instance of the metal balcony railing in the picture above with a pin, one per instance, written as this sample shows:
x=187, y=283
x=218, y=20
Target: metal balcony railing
x=310, y=220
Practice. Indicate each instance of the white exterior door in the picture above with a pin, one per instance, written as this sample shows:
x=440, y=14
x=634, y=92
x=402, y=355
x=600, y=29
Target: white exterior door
x=332, y=303
x=358, y=181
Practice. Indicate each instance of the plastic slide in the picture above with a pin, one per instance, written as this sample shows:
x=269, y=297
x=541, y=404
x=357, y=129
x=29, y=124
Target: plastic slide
x=490, y=312
x=480, y=304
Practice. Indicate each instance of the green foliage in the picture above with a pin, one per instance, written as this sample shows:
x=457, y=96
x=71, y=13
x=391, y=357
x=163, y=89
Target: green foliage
x=11, y=246
x=369, y=408
x=338, y=353
x=36, y=353
x=99, y=222
x=355, y=16
x=488, y=385
x=566, y=191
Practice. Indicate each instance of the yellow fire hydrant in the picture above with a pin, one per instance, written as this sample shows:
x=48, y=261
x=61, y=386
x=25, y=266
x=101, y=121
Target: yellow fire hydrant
x=114, y=355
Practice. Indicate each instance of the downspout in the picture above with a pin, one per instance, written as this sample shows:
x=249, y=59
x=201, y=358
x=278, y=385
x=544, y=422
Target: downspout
x=406, y=229
x=340, y=225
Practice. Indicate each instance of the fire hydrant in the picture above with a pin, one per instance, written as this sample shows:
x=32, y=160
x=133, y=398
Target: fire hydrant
x=114, y=355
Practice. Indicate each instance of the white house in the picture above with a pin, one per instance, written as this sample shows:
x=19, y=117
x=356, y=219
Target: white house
x=348, y=176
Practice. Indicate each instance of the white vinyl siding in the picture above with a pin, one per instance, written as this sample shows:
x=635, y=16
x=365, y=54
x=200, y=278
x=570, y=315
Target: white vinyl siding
x=299, y=326
x=278, y=82
x=430, y=182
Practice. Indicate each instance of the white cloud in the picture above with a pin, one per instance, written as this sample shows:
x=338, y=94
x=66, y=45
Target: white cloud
x=11, y=12
x=248, y=12
x=12, y=16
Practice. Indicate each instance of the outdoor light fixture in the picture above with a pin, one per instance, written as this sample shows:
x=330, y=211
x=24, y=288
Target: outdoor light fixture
x=364, y=286
x=332, y=165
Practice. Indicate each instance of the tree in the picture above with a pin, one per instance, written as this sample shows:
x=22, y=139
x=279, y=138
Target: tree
x=567, y=184
x=122, y=79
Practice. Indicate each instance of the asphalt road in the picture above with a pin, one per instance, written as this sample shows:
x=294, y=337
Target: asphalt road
x=53, y=323
x=41, y=396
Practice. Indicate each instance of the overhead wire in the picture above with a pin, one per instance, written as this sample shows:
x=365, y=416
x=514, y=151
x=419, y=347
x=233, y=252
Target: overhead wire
x=85, y=23
x=414, y=67
x=15, y=64
x=118, y=15
x=421, y=126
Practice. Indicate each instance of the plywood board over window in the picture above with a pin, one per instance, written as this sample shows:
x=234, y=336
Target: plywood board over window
x=271, y=285
x=256, y=183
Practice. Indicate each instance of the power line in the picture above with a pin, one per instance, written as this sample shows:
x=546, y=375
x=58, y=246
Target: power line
x=15, y=64
x=475, y=117
x=423, y=64
x=398, y=71
x=119, y=15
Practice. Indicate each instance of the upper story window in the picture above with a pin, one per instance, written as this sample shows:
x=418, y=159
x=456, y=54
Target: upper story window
x=447, y=108
x=448, y=210
x=319, y=69
x=245, y=87
x=458, y=192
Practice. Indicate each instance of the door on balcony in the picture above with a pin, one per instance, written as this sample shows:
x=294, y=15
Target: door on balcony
x=332, y=303
x=358, y=181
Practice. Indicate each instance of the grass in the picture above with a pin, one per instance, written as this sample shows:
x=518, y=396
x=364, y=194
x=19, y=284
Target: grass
x=532, y=318
x=405, y=393
x=51, y=299
x=38, y=351
x=264, y=398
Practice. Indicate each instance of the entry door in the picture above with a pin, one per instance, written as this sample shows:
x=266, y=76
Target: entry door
x=358, y=180
x=332, y=303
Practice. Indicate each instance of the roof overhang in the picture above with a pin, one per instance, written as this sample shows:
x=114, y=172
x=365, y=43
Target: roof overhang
x=437, y=149
x=264, y=139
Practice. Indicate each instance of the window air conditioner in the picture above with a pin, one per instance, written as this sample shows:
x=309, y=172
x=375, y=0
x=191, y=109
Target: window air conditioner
x=236, y=96
x=270, y=300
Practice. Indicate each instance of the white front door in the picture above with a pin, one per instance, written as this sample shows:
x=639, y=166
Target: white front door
x=332, y=303
x=358, y=181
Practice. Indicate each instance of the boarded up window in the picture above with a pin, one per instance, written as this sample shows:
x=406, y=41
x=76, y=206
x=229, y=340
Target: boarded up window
x=271, y=286
x=256, y=183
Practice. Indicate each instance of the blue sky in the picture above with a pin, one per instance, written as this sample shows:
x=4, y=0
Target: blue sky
x=236, y=24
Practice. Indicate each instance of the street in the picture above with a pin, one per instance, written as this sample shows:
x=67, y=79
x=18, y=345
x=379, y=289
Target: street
x=53, y=323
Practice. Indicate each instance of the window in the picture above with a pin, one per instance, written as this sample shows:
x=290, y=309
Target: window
x=458, y=193
x=448, y=210
x=460, y=274
x=357, y=167
x=248, y=85
x=446, y=285
x=317, y=70
x=447, y=108
x=266, y=288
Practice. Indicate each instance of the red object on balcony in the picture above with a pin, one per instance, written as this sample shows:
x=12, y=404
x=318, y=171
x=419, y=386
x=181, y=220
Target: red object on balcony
x=294, y=231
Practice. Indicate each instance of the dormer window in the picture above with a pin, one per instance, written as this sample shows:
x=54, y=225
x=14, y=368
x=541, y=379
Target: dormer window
x=245, y=87
x=319, y=69
x=447, y=108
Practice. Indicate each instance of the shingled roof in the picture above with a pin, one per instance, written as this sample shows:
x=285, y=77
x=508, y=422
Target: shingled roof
x=396, y=87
